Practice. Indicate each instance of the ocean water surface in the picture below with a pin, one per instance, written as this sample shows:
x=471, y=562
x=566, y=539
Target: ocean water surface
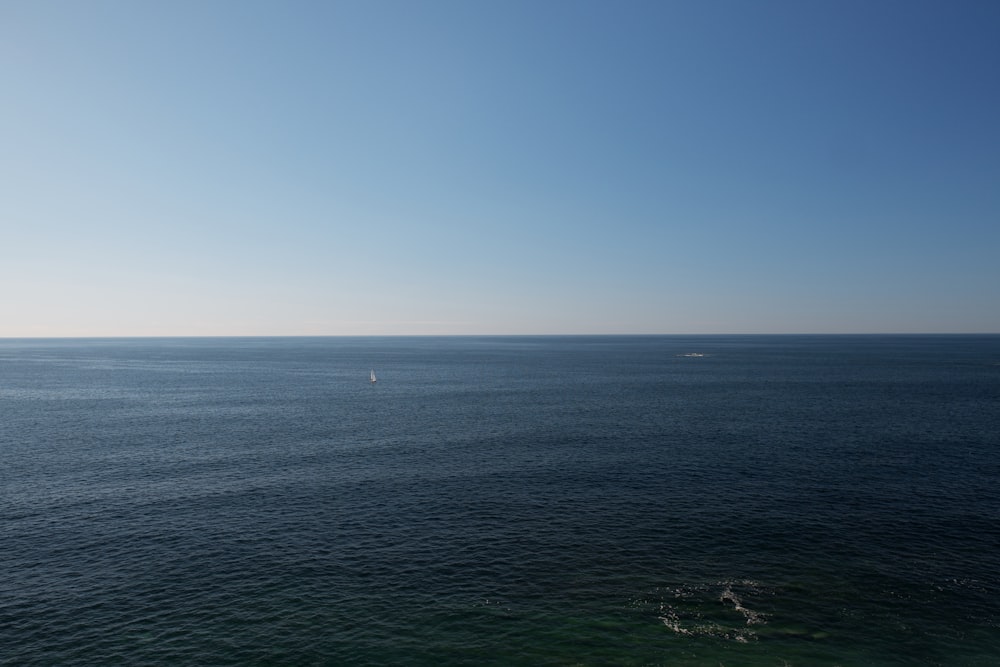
x=648, y=500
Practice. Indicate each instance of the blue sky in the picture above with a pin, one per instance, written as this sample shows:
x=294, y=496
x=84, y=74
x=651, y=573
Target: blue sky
x=495, y=167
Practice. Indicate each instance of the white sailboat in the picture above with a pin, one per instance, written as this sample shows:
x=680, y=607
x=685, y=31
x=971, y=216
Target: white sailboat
x=373, y=376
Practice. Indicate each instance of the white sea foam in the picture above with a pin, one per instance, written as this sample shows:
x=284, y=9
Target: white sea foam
x=703, y=610
x=752, y=617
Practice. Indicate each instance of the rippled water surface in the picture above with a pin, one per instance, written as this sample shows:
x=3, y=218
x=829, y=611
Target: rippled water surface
x=538, y=501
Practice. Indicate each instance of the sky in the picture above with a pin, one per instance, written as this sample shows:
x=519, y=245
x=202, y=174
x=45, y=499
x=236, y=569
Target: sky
x=377, y=167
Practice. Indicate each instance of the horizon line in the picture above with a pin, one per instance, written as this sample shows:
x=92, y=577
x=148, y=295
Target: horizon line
x=503, y=335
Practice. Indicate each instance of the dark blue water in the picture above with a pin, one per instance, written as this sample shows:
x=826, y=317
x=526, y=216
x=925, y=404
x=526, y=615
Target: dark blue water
x=781, y=500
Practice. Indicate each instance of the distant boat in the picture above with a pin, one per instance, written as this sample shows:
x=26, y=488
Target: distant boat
x=373, y=376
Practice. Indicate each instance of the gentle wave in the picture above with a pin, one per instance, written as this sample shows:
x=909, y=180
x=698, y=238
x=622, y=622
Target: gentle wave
x=571, y=501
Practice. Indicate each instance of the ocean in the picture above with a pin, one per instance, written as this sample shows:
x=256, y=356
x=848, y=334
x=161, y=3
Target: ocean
x=607, y=500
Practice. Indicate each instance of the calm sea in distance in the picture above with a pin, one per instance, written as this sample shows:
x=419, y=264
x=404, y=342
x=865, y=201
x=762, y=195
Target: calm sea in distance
x=610, y=500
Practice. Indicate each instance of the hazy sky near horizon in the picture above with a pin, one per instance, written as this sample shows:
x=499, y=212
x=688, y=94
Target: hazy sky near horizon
x=456, y=167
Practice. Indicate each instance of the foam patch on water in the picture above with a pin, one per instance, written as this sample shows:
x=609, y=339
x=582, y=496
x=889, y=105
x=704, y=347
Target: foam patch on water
x=719, y=609
x=729, y=596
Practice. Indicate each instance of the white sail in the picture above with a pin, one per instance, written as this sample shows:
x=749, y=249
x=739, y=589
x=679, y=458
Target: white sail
x=373, y=376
